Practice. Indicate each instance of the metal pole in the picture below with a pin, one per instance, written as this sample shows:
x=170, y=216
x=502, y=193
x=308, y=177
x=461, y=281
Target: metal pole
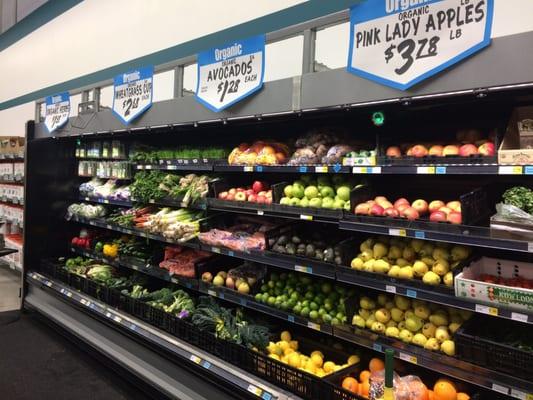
x=96, y=99
x=178, y=81
x=308, y=61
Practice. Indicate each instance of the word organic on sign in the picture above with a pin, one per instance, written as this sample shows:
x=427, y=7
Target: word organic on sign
x=132, y=93
x=228, y=73
x=57, y=111
x=402, y=42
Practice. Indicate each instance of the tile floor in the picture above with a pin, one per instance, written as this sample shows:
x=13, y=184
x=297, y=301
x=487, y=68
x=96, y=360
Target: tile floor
x=9, y=289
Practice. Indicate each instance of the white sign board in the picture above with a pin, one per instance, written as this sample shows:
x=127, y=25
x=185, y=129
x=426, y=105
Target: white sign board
x=57, y=111
x=399, y=43
x=132, y=93
x=228, y=73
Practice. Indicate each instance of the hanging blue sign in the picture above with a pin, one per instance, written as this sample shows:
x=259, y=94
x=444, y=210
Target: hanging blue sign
x=57, y=111
x=400, y=43
x=229, y=73
x=132, y=93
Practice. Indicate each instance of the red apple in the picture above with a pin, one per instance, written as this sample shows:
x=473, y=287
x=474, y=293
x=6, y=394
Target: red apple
x=445, y=210
x=230, y=197
x=362, y=209
x=401, y=200
x=409, y=151
x=268, y=200
x=252, y=198
x=421, y=206
x=411, y=213
x=376, y=209
x=435, y=205
x=261, y=199
x=240, y=196
x=455, y=217
x=454, y=205
x=248, y=192
x=436, y=150
x=450, y=150
x=241, y=189
x=419, y=151
x=386, y=204
x=257, y=186
x=467, y=150
x=370, y=202
x=379, y=199
x=402, y=207
x=487, y=149
x=232, y=191
x=223, y=195
x=391, y=212
x=269, y=194
x=394, y=151
x=437, y=216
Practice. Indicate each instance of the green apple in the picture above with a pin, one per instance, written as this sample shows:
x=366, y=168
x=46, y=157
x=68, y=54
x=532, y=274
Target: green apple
x=344, y=193
x=347, y=206
x=285, y=201
x=338, y=203
x=294, y=201
x=315, y=203
x=288, y=191
x=311, y=192
x=327, y=191
x=297, y=191
x=328, y=202
x=304, y=202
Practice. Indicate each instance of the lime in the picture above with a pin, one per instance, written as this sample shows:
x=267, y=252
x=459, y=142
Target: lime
x=326, y=318
x=271, y=300
x=305, y=312
x=309, y=295
x=259, y=297
x=341, y=289
x=295, y=296
x=320, y=299
x=335, y=321
x=278, y=291
x=297, y=309
x=328, y=306
x=291, y=303
x=313, y=315
x=326, y=288
x=321, y=311
x=265, y=297
x=339, y=316
x=271, y=284
x=284, y=306
x=305, y=303
x=313, y=306
x=333, y=296
x=274, y=277
x=280, y=284
x=264, y=288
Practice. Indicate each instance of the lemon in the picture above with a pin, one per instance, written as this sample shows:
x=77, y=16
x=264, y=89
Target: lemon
x=316, y=352
x=283, y=345
x=320, y=372
x=353, y=359
x=329, y=367
x=310, y=367
x=286, y=336
x=293, y=344
x=274, y=356
x=294, y=360
x=288, y=351
x=317, y=360
x=285, y=359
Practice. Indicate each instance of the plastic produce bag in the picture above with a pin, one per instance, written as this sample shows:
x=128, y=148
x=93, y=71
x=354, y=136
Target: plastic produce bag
x=508, y=212
x=409, y=387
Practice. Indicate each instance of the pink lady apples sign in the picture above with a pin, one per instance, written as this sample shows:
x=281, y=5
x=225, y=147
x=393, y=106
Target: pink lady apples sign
x=399, y=43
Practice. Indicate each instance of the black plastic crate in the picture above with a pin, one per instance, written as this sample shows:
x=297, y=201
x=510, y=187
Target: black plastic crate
x=78, y=282
x=473, y=345
x=94, y=289
x=134, y=307
x=55, y=268
x=114, y=296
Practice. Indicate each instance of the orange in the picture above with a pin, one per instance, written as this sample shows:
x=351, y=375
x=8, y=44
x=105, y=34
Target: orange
x=462, y=396
x=364, y=376
x=366, y=388
x=444, y=390
x=376, y=365
x=418, y=390
x=350, y=384
x=431, y=396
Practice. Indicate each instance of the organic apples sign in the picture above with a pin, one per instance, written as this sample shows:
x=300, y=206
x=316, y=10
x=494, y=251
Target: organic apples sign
x=399, y=43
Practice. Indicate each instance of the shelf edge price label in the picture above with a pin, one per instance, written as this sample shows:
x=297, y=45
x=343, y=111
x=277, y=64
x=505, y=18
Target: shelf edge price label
x=255, y=390
x=408, y=358
x=359, y=170
x=301, y=268
x=397, y=232
x=314, y=326
x=195, y=359
x=57, y=111
x=321, y=170
x=392, y=49
x=425, y=170
x=248, y=168
x=480, y=308
x=306, y=217
x=260, y=212
x=390, y=288
x=500, y=388
x=510, y=170
x=519, y=317
x=132, y=93
x=230, y=72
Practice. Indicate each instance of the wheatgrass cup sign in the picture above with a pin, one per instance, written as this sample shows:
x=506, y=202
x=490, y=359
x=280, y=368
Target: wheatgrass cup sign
x=57, y=111
x=230, y=72
x=132, y=93
x=400, y=43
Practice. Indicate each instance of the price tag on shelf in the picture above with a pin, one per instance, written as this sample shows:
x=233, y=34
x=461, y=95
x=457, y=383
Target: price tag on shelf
x=68, y=294
x=215, y=250
x=231, y=253
x=301, y=268
x=314, y=326
x=519, y=317
x=518, y=394
x=260, y=212
x=528, y=170
x=530, y=247
x=255, y=390
x=500, y=388
x=87, y=198
x=117, y=319
x=259, y=168
x=106, y=201
x=243, y=302
x=408, y=358
x=175, y=280
x=480, y=308
x=212, y=293
x=359, y=170
x=230, y=72
x=133, y=92
x=195, y=359
x=108, y=314
x=510, y=170
x=48, y=283
x=302, y=169
x=397, y=232
x=290, y=318
x=440, y=170
x=425, y=170
x=410, y=293
x=147, y=167
x=420, y=234
x=57, y=111
x=377, y=347
x=206, y=364
x=133, y=327
x=248, y=168
x=83, y=301
x=172, y=167
x=390, y=288
x=321, y=170
x=306, y=217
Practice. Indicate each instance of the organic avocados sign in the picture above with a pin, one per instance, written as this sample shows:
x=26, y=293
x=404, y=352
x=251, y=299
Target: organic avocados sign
x=400, y=43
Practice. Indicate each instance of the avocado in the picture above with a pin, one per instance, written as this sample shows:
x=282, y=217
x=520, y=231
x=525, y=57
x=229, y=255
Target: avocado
x=283, y=240
x=296, y=240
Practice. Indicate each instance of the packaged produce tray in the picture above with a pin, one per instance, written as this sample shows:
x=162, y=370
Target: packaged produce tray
x=500, y=351
x=469, y=283
x=474, y=205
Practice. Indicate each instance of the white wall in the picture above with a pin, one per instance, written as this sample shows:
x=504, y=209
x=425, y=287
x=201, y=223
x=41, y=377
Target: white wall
x=13, y=120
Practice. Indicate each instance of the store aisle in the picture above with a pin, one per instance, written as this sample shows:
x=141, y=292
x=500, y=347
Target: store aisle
x=37, y=363
x=9, y=289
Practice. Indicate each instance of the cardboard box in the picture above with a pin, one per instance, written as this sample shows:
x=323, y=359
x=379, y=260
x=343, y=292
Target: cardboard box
x=12, y=146
x=468, y=286
x=511, y=151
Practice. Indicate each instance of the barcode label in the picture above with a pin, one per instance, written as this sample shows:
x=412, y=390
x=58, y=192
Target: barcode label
x=397, y=232
x=255, y=390
x=306, y=217
x=322, y=170
x=408, y=358
x=195, y=359
x=486, y=310
x=248, y=169
x=314, y=326
x=212, y=293
x=301, y=268
x=500, y=388
x=260, y=212
x=510, y=170
x=390, y=288
x=519, y=317
x=425, y=170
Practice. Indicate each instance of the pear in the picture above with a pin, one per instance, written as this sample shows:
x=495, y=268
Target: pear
x=456, y=318
x=442, y=334
x=378, y=327
x=397, y=314
x=422, y=312
x=369, y=265
x=448, y=347
x=366, y=255
x=441, y=267
x=453, y=327
x=370, y=321
x=439, y=318
x=406, y=336
x=428, y=329
x=406, y=272
x=403, y=303
x=409, y=313
x=382, y=299
x=409, y=253
x=389, y=305
x=391, y=323
x=392, y=331
x=401, y=325
x=383, y=315
x=440, y=253
x=402, y=262
x=365, y=313
x=466, y=314
x=460, y=253
x=358, y=321
x=420, y=268
x=419, y=339
x=414, y=324
x=427, y=250
x=394, y=252
x=417, y=244
x=429, y=261
x=367, y=303
x=394, y=271
x=381, y=266
x=431, y=278
x=432, y=344
x=448, y=279
x=357, y=263
x=380, y=250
